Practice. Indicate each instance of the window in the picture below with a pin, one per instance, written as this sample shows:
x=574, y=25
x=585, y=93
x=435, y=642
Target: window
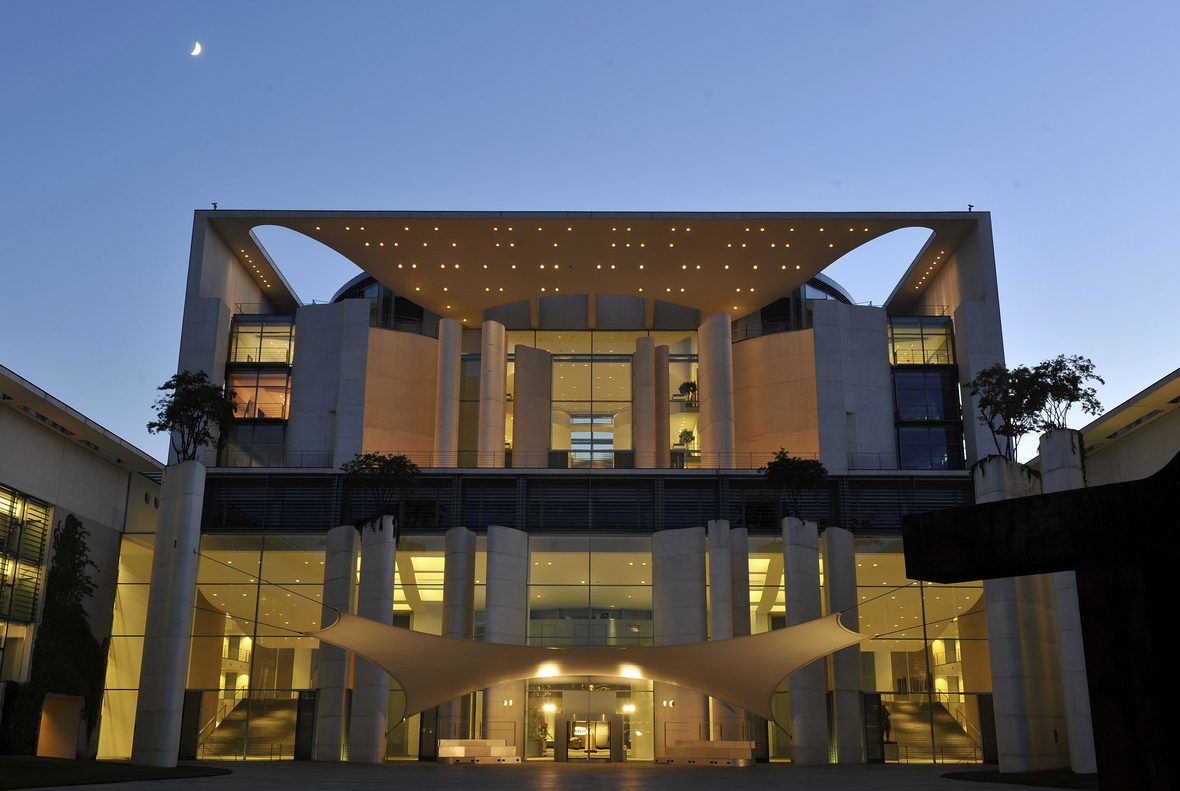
x=926, y=395
x=921, y=340
x=262, y=339
x=254, y=445
x=930, y=447
x=260, y=394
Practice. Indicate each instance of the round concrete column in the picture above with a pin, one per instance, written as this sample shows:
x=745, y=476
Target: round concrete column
x=662, y=418
x=1022, y=644
x=839, y=554
x=720, y=617
x=505, y=620
x=370, y=688
x=446, y=420
x=643, y=424
x=739, y=573
x=458, y=616
x=715, y=382
x=1061, y=470
x=679, y=614
x=335, y=662
x=156, y=741
x=809, y=710
x=493, y=394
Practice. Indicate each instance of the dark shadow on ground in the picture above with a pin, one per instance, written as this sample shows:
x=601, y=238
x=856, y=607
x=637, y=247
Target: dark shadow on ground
x=1053, y=778
x=26, y=771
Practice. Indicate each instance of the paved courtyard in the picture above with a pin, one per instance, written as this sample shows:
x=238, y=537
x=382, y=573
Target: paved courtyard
x=291, y=776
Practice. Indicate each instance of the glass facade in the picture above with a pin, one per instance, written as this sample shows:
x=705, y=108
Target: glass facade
x=927, y=413
x=259, y=373
x=24, y=534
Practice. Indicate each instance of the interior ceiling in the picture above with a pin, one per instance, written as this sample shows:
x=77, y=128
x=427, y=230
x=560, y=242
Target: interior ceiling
x=458, y=264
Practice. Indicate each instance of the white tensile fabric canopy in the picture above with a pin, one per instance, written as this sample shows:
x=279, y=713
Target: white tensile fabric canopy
x=743, y=671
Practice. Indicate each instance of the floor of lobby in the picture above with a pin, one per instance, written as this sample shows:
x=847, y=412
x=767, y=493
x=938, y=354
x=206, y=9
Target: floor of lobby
x=286, y=775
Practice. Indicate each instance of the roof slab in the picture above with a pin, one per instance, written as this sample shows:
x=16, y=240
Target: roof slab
x=457, y=264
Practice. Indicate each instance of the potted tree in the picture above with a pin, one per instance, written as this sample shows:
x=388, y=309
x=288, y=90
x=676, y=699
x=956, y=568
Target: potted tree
x=688, y=389
x=381, y=474
x=795, y=476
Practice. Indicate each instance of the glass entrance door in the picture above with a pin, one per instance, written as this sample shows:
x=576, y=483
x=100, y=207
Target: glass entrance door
x=588, y=740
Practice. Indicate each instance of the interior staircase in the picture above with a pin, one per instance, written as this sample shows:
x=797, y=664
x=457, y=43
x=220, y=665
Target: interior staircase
x=271, y=732
x=910, y=730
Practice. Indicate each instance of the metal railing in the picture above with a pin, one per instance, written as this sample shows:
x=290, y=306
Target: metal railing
x=266, y=308
x=391, y=321
x=593, y=459
x=277, y=458
x=872, y=461
x=469, y=730
x=793, y=324
x=922, y=310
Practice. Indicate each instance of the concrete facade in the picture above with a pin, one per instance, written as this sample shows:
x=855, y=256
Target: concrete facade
x=532, y=384
x=493, y=383
x=715, y=372
x=446, y=420
x=643, y=393
x=839, y=553
x=506, y=621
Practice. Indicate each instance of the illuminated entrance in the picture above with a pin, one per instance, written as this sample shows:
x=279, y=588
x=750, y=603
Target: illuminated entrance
x=589, y=719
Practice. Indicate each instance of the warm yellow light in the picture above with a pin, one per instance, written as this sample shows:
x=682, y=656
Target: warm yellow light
x=547, y=671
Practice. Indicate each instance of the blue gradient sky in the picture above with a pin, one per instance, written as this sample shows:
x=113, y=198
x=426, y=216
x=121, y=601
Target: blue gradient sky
x=1059, y=118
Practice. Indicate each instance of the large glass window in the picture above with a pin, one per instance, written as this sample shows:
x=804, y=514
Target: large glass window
x=921, y=340
x=262, y=339
x=926, y=395
x=930, y=447
x=24, y=531
x=260, y=393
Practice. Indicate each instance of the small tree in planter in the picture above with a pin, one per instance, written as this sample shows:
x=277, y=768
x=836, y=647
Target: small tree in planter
x=1010, y=402
x=382, y=474
x=689, y=391
x=796, y=476
x=1064, y=380
x=686, y=437
x=192, y=406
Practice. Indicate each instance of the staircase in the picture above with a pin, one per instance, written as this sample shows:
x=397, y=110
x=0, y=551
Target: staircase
x=271, y=732
x=910, y=723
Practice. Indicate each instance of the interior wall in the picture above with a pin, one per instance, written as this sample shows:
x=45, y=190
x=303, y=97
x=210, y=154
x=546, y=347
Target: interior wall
x=774, y=394
x=400, y=384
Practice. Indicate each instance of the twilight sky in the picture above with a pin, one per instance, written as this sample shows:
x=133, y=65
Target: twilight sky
x=1061, y=119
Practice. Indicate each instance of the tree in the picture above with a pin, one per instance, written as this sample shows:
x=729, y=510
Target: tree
x=382, y=474
x=192, y=405
x=796, y=475
x=67, y=659
x=1064, y=380
x=1010, y=402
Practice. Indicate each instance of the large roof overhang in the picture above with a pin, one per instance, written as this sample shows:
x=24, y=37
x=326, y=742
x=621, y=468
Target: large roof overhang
x=458, y=264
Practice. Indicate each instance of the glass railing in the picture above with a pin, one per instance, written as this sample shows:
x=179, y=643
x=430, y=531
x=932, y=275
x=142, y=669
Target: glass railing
x=791, y=324
x=596, y=459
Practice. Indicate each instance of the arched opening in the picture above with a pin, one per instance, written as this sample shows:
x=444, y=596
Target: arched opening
x=314, y=270
x=876, y=266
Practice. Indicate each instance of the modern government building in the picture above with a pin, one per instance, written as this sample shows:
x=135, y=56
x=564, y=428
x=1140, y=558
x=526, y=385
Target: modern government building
x=590, y=398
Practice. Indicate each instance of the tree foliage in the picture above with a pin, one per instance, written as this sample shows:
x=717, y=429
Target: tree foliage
x=192, y=406
x=1064, y=380
x=796, y=475
x=67, y=659
x=381, y=474
x=1013, y=402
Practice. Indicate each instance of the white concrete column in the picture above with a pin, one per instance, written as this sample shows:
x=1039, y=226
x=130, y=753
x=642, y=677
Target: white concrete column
x=532, y=407
x=458, y=612
x=493, y=394
x=662, y=418
x=335, y=665
x=680, y=616
x=715, y=382
x=739, y=574
x=643, y=407
x=1062, y=470
x=1031, y=730
x=721, y=713
x=446, y=420
x=839, y=588
x=156, y=741
x=505, y=619
x=809, y=709
x=370, y=688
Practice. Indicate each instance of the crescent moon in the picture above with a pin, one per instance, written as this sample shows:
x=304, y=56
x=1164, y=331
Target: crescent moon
x=196, y=49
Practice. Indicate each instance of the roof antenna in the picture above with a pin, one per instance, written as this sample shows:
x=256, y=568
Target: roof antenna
x=970, y=206
x=215, y=206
